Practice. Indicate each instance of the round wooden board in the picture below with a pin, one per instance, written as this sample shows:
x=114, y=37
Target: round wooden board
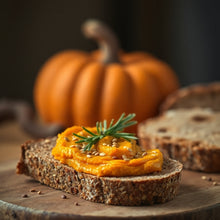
x=197, y=199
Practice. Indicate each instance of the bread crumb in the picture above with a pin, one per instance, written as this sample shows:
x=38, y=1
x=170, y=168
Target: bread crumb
x=33, y=190
x=63, y=197
x=210, y=179
x=24, y=196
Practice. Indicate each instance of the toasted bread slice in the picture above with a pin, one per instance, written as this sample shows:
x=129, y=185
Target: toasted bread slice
x=197, y=95
x=37, y=161
x=191, y=136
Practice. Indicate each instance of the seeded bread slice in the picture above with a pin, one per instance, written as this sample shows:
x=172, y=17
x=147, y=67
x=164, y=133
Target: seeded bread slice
x=191, y=136
x=37, y=161
x=198, y=95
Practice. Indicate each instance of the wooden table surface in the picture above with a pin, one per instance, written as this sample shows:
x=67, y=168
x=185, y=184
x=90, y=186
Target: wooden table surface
x=197, y=198
x=11, y=137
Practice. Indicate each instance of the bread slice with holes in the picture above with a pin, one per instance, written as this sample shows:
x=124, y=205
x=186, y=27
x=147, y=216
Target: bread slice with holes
x=37, y=161
x=197, y=95
x=191, y=136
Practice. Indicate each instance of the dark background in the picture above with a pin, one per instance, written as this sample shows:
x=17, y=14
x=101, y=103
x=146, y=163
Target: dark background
x=185, y=34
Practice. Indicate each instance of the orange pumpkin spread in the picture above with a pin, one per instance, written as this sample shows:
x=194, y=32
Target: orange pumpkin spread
x=110, y=156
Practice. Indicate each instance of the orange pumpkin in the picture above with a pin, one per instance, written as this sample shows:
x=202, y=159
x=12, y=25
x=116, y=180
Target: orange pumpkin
x=80, y=88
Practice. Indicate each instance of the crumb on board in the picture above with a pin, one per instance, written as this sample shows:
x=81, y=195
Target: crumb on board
x=210, y=179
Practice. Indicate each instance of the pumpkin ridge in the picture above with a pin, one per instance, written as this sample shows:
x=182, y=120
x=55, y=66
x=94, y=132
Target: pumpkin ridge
x=131, y=88
x=165, y=77
x=99, y=101
x=146, y=95
x=62, y=89
x=74, y=84
x=51, y=98
x=116, y=93
x=44, y=80
x=86, y=94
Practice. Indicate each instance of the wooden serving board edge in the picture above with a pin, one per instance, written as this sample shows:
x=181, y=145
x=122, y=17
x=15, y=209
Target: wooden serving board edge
x=12, y=211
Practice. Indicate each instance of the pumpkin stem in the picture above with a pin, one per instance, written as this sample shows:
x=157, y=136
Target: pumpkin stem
x=108, y=42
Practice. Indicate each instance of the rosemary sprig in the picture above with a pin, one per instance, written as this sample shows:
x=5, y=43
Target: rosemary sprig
x=113, y=130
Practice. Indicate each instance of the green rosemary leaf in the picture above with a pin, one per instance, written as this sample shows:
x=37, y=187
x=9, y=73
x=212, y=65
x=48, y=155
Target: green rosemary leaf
x=100, y=127
x=125, y=134
x=122, y=123
x=80, y=141
x=79, y=136
x=120, y=128
x=88, y=146
x=126, y=137
x=97, y=127
x=92, y=141
x=111, y=123
x=120, y=120
x=88, y=131
x=104, y=126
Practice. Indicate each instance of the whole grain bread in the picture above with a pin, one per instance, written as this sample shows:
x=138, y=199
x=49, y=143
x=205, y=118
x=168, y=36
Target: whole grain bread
x=37, y=161
x=197, y=95
x=191, y=136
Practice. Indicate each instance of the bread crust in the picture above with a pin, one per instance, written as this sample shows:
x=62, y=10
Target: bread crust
x=193, y=157
x=196, y=95
x=198, y=149
x=36, y=161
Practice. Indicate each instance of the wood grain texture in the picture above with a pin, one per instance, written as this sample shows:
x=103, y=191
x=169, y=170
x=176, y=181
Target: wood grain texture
x=197, y=199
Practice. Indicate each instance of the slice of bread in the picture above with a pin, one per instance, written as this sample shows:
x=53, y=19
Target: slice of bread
x=198, y=95
x=191, y=136
x=37, y=161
